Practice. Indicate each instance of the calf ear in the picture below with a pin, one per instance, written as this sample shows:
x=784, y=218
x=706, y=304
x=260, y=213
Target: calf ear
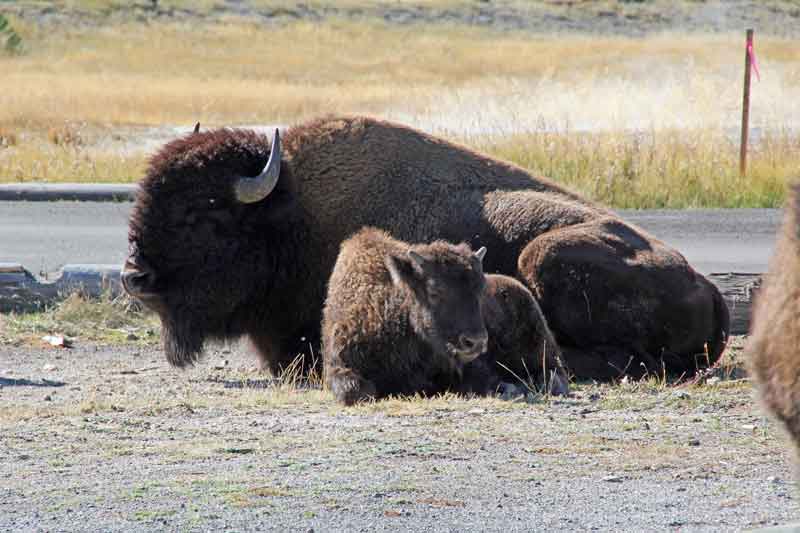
x=402, y=271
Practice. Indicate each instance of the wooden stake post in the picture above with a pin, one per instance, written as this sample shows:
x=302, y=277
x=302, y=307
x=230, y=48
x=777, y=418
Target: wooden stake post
x=745, y=105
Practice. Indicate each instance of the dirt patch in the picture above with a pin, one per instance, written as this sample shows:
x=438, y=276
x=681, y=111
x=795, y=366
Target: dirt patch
x=110, y=438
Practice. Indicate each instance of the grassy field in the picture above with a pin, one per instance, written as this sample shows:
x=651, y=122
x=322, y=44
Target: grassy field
x=630, y=122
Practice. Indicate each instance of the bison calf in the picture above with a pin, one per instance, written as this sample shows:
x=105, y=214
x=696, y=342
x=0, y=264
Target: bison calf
x=521, y=346
x=774, y=345
x=403, y=319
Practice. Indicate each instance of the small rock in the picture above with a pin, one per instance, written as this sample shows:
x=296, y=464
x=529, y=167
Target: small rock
x=694, y=442
x=748, y=427
x=476, y=411
x=49, y=368
x=612, y=479
x=48, y=398
x=132, y=337
x=681, y=394
x=221, y=364
x=59, y=341
x=713, y=380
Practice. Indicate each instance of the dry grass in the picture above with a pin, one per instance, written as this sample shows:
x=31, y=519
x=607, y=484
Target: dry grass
x=656, y=169
x=563, y=107
x=80, y=319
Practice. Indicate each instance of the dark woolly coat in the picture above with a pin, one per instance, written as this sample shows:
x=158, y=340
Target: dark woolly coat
x=521, y=346
x=609, y=291
x=378, y=332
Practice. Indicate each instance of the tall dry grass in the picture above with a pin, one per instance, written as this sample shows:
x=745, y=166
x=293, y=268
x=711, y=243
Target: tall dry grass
x=658, y=168
x=630, y=122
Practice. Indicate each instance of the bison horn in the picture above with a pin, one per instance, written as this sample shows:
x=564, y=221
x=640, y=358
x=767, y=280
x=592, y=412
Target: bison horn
x=250, y=190
x=481, y=253
x=196, y=128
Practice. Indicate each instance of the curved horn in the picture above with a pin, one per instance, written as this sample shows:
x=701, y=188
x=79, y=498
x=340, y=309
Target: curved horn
x=250, y=190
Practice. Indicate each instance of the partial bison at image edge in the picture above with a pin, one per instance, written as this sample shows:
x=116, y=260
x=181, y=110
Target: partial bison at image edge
x=774, y=344
x=220, y=254
x=404, y=319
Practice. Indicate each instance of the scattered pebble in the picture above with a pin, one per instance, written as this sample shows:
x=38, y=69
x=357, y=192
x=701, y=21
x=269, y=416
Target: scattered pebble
x=59, y=341
x=681, y=394
x=713, y=380
x=49, y=368
x=612, y=479
x=694, y=442
x=48, y=398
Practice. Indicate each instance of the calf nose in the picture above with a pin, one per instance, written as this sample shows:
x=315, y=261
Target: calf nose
x=472, y=345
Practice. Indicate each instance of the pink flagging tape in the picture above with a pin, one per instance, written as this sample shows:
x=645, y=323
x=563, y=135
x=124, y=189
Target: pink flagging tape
x=753, y=61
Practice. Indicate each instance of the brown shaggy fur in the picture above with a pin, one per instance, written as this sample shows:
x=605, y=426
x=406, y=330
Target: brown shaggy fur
x=774, y=344
x=521, y=346
x=213, y=267
x=389, y=324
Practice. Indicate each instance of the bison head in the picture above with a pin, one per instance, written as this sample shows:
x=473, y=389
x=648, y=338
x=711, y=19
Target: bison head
x=446, y=285
x=204, y=235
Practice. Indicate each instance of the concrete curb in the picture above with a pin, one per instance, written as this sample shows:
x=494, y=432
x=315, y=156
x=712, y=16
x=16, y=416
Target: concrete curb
x=82, y=192
x=21, y=291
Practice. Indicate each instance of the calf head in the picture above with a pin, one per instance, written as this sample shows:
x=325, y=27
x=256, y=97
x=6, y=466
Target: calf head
x=445, y=284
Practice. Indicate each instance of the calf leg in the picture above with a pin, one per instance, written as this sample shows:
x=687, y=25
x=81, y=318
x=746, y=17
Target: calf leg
x=349, y=387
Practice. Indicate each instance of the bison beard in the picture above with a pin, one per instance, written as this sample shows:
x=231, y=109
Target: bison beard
x=218, y=254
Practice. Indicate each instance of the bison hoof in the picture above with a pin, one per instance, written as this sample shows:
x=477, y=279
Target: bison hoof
x=558, y=384
x=509, y=391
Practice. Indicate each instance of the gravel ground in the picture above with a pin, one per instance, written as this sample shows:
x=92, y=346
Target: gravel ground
x=109, y=438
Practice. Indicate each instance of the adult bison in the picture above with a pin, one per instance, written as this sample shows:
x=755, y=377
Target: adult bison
x=774, y=344
x=225, y=243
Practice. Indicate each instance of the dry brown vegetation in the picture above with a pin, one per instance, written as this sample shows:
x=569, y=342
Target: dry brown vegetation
x=631, y=122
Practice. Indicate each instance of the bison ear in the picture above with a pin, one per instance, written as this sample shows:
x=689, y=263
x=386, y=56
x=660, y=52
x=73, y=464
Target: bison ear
x=403, y=271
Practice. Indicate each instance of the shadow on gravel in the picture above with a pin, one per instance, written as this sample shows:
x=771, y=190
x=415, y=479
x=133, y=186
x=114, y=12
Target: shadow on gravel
x=11, y=382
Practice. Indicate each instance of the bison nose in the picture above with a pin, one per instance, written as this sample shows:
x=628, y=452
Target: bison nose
x=137, y=282
x=471, y=346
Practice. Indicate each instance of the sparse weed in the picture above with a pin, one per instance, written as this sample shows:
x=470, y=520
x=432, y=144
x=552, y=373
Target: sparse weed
x=108, y=319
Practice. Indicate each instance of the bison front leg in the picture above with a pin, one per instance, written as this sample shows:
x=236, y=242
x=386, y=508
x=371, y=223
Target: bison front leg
x=348, y=387
x=620, y=302
x=478, y=377
x=296, y=353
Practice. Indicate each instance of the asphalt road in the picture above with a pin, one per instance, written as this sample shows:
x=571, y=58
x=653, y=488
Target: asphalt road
x=43, y=236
